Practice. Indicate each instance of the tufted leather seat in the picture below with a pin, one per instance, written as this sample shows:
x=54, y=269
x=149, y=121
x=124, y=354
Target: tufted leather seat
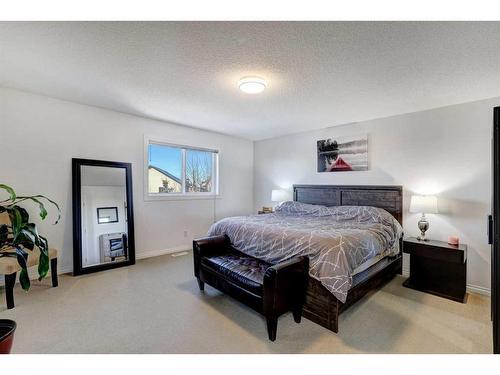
x=271, y=289
x=243, y=270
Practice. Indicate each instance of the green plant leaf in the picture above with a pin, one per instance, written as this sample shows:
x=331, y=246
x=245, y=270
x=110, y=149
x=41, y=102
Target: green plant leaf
x=19, y=218
x=44, y=245
x=25, y=235
x=22, y=234
x=22, y=258
x=27, y=244
x=24, y=279
x=16, y=219
x=31, y=233
x=43, y=211
x=10, y=191
x=29, y=230
x=43, y=261
x=41, y=207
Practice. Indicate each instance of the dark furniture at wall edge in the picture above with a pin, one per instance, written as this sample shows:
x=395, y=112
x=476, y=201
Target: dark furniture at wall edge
x=494, y=232
x=271, y=290
x=437, y=267
x=321, y=306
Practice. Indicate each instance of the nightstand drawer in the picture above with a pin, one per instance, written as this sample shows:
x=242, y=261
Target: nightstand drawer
x=428, y=250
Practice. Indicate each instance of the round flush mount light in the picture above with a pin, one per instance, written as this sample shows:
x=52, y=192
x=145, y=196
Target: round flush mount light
x=252, y=85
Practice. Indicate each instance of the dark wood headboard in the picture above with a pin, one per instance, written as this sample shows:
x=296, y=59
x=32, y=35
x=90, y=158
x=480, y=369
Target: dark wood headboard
x=390, y=198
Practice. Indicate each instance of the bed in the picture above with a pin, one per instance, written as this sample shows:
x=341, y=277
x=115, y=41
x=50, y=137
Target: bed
x=351, y=234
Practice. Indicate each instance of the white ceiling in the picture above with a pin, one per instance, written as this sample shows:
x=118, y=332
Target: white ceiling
x=320, y=74
x=92, y=175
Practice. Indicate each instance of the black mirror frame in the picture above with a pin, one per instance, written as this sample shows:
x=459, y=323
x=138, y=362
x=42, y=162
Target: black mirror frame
x=78, y=269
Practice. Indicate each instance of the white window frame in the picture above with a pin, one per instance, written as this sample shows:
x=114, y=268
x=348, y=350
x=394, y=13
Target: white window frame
x=183, y=195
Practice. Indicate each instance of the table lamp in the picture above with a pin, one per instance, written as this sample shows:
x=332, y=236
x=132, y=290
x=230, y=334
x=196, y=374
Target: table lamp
x=279, y=195
x=424, y=204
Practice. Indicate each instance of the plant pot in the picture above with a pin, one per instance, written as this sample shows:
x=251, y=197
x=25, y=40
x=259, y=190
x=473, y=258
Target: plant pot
x=7, y=328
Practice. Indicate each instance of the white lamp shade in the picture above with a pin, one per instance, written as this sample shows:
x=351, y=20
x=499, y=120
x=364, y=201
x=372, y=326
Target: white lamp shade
x=279, y=195
x=425, y=204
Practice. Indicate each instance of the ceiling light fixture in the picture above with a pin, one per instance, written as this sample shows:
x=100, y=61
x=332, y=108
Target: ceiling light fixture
x=252, y=85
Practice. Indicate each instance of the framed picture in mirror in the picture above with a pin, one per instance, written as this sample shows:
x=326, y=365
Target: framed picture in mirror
x=103, y=218
x=106, y=215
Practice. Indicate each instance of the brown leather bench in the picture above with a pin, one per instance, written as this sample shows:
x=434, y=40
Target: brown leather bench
x=271, y=290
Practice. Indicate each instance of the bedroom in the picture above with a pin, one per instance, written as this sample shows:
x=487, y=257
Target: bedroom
x=315, y=147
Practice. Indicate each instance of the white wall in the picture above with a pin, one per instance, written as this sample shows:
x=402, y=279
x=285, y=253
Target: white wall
x=40, y=135
x=445, y=151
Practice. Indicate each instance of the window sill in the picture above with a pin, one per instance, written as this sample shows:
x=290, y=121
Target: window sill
x=149, y=198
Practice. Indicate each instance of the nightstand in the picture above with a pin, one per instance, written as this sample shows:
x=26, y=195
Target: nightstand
x=437, y=268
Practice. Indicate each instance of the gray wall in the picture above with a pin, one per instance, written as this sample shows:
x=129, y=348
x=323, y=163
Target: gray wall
x=444, y=151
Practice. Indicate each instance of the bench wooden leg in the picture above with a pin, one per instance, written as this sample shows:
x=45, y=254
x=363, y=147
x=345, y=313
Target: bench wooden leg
x=297, y=314
x=53, y=272
x=201, y=284
x=272, y=327
x=10, y=281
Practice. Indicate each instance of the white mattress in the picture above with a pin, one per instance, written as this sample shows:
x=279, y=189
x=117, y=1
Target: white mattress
x=370, y=262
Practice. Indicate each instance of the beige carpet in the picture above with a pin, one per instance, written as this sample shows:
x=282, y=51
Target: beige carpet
x=156, y=307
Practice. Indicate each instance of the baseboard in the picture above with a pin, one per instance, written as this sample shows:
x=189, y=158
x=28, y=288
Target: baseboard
x=142, y=255
x=63, y=271
x=475, y=289
x=155, y=253
x=406, y=272
x=478, y=290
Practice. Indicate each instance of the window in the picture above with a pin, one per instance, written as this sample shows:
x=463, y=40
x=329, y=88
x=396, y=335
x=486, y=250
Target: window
x=199, y=171
x=164, y=169
x=174, y=170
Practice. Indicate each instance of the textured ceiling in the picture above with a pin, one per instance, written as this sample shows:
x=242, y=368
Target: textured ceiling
x=320, y=74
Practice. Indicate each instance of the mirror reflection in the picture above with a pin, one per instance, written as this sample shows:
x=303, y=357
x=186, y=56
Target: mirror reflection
x=104, y=215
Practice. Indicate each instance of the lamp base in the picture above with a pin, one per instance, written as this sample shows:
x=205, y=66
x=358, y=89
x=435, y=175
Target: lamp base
x=423, y=225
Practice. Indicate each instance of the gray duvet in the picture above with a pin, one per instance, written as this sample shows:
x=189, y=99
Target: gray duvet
x=336, y=239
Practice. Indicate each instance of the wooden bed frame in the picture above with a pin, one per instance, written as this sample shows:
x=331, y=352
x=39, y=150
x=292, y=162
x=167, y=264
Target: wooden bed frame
x=321, y=306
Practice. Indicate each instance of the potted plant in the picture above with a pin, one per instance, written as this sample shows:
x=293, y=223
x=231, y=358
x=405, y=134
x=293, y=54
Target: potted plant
x=17, y=236
x=7, y=328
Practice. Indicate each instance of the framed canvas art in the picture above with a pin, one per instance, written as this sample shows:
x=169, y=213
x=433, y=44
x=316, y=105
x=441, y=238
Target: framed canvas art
x=343, y=154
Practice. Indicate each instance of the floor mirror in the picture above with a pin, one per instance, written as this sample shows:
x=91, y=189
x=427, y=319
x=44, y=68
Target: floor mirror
x=103, y=220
